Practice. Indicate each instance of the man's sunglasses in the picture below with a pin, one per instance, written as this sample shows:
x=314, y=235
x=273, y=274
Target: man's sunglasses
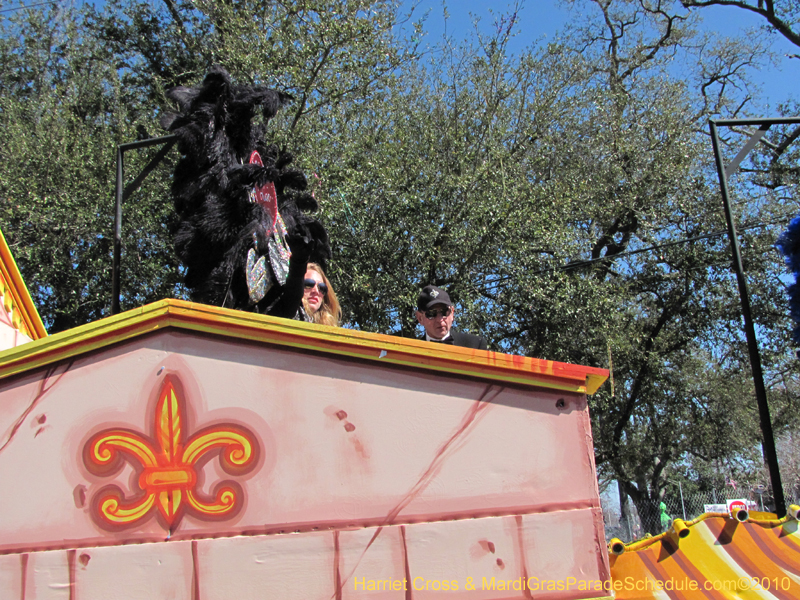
x=439, y=312
x=310, y=283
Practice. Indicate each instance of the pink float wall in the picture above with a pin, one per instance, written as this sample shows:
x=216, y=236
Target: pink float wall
x=365, y=473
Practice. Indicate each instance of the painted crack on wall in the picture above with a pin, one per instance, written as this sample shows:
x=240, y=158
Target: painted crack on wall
x=477, y=408
x=45, y=385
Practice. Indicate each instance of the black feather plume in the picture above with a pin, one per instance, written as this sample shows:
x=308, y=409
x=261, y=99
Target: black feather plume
x=218, y=223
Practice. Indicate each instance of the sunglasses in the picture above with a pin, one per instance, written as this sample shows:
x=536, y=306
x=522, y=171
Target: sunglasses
x=309, y=284
x=439, y=312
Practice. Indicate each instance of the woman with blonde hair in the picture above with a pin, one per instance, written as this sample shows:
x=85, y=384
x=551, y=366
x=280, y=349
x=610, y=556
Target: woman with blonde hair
x=319, y=299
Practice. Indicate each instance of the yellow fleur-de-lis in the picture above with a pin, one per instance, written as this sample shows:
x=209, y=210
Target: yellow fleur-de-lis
x=168, y=475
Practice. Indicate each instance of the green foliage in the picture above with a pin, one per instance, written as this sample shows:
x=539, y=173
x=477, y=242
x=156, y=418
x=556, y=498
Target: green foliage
x=61, y=112
x=565, y=194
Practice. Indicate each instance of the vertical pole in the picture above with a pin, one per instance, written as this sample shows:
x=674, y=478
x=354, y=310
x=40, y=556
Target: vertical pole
x=768, y=440
x=683, y=505
x=624, y=510
x=122, y=194
x=117, y=238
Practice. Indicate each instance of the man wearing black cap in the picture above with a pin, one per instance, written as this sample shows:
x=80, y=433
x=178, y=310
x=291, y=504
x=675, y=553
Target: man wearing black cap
x=435, y=313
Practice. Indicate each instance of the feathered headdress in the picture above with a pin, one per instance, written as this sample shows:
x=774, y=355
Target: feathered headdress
x=243, y=232
x=789, y=245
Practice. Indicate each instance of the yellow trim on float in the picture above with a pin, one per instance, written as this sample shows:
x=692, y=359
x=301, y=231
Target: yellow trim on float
x=681, y=529
x=243, y=325
x=16, y=297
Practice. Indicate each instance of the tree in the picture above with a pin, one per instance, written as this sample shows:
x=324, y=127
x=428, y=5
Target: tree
x=782, y=16
x=565, y=198
x=441, y=185
x=565, y=195
x=76, y=84
x=61, y=112
x=648, y=188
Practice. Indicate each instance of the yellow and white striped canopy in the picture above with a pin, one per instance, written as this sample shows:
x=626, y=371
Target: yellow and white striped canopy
x=716, y=556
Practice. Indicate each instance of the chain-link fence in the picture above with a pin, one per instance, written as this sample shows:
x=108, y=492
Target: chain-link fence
x=683, y=506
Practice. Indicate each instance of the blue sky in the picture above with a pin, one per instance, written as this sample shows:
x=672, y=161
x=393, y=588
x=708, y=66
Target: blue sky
x=540, y=20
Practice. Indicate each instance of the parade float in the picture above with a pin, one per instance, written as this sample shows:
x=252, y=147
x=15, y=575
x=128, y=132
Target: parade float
x=187, y=450
x=181, y=450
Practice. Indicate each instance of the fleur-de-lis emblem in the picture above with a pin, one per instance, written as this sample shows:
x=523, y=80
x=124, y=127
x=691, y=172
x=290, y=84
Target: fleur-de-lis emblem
x=169, y=477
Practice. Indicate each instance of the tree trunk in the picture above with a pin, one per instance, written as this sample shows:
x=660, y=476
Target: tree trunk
x=626, y=518
x=649, y=514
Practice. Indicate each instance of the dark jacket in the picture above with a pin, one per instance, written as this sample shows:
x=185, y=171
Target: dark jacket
x=464, y=340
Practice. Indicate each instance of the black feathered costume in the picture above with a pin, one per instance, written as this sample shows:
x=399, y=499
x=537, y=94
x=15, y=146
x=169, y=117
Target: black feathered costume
x=789, y=245
x=243, y=232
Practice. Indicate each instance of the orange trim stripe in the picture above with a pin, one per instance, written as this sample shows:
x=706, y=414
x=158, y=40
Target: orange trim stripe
x=242, y=325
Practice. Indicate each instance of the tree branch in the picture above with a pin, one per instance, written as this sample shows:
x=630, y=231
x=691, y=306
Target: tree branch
x=768, y=13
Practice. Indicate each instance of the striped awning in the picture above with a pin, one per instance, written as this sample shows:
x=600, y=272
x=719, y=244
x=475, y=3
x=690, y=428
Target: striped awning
x=715, y=556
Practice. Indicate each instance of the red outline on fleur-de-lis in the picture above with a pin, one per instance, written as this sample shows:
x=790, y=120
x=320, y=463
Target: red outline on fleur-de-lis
x=168, y=478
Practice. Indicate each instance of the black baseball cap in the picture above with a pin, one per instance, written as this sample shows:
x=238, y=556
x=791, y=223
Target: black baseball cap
x=431, y=296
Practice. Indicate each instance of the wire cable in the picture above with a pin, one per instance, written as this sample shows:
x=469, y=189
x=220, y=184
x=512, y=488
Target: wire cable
x=28, y=6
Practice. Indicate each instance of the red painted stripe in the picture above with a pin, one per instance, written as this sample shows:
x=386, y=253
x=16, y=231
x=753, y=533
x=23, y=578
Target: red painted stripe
x=71, y=569
x=406, y=566
x=195, y=573
x=658, y=572
x=695, y=575
x=23, y=560
x=522, y=560
x=337, y=573
x=767, y=543
x=789, y=537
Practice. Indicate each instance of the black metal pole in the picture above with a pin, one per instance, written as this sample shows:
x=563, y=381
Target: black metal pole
x=122, y=194
x=768, y=444
x=767, y=122
x=117, y=237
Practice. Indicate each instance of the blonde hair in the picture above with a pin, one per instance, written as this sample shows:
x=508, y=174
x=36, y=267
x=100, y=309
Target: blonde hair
x=329, y=313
